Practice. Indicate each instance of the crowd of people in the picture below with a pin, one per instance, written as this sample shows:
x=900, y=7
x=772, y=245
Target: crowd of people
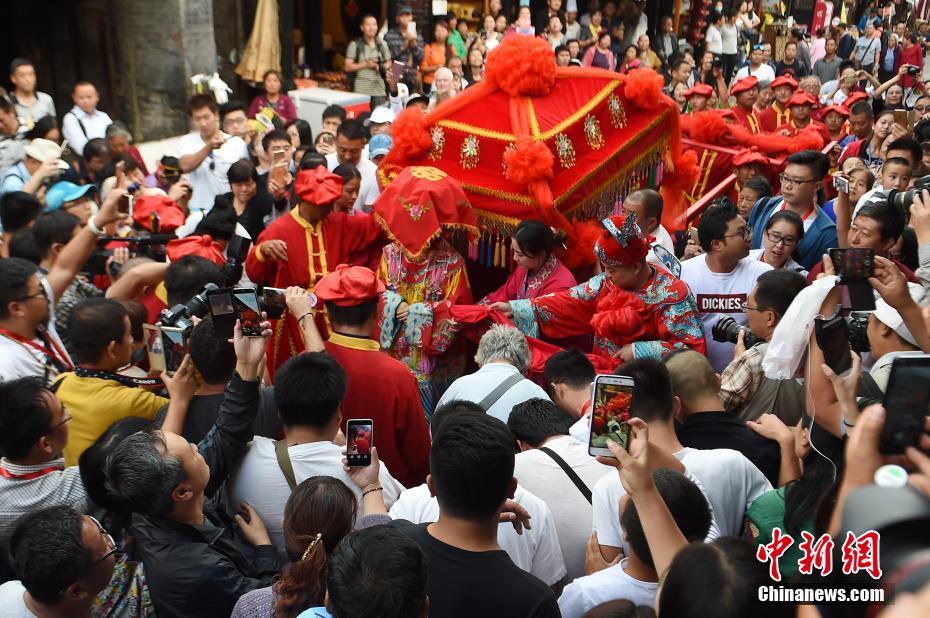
x=223, y=483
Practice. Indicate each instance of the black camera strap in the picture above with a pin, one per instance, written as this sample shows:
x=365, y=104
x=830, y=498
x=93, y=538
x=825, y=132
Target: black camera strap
x=115, y=377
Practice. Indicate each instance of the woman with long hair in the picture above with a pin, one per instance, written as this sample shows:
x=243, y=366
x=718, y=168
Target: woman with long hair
x=783, y=232
x=436, y=53
x=274, y=97
x=600, y=55
x=474, y=65
x=629, y=61
x=300, y=132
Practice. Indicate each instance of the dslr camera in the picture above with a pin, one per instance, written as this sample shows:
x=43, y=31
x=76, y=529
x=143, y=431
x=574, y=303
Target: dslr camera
x=726, y=330
x=904, y=199
x=180, y=315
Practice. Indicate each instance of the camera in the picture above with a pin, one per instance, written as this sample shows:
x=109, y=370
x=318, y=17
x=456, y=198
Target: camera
x=236, y=251
x=911, y=69
x=857, y=323
x=726, y=330
x=180, y=315
x=904, y=199
x=717, y=62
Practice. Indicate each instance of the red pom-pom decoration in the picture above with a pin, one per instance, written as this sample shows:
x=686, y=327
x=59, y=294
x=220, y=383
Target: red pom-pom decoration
x=643, y=88
x=411, y=137
x=619, y=316
x=685, y=171
x=707, y=126
x=522, y=66
x=529, y=161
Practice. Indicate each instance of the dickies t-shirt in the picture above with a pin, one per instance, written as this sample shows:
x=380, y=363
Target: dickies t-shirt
x=720, y=294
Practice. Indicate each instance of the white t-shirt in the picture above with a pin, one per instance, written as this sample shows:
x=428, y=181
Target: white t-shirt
x=536, y=551
x=714, y=40
x=730, y=482
x=765, y=74
x=208, y=183
x=756, y=254
x=540, y=474
x=12, y=601
x=20, y=360
x=261, y=483
x=610, y=584
x=719, y=294
x=664, y=240
x=476, y=386
x=729, y=36
x=368, y=190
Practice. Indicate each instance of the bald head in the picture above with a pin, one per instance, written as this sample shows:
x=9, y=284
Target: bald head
x=693, y=381
x=647, y=204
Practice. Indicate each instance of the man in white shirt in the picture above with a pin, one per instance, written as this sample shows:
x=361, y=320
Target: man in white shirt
x=541, y=430
x=569, y=377
x=648, y=204
x=757, y=67
x=504, y=357
x=729, y=481
x=722, y=277
x=207, y=153
x=84, y=122
x=308, y=393
x=350, y=144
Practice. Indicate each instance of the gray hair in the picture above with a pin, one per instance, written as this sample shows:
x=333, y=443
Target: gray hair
x=118, y=128
x=504, y=343
x=140, y=476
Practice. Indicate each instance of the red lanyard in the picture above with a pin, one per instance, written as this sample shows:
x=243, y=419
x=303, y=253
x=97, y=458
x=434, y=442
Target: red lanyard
x=57, y=356
x=806, y=215
x=29, y=475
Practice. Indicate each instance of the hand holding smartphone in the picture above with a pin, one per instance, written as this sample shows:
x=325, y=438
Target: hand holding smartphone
x=853, y=264
x=222, y=312
x=245, y=306
x=610, y=413
x=359, y=440
x=840, y=182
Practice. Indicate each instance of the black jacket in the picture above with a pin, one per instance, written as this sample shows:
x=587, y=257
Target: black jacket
x=202, y=570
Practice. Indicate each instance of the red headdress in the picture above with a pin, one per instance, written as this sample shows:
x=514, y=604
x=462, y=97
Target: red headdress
x=749, y=155
x=747, y=83
x=855, y=98
x=419, y=204
x=348, y=286
x=700, y=89
x=621, y=242
x=836, y=109
x=801, y=98
x=201, y=246
x=169, y=214
x=784, y=80
x=318, y=186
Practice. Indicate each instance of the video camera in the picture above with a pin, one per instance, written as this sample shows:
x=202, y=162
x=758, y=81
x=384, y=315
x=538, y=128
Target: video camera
x=904, y=199
x=150, y=246
x=180, y=315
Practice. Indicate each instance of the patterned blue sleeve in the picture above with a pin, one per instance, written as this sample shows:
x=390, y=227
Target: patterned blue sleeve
x=524, y=317
x=389, y=325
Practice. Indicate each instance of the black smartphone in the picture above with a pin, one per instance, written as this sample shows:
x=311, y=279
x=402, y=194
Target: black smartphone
x=907, y=403
x=245, y=305
x=360, y=438
x=832, y=335
x=853, y=264
x=221, y=310
x=174, y=343
x=610, y=413
x=273, y=302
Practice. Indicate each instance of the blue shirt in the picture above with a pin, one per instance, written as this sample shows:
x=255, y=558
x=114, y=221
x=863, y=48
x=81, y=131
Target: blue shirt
x=315, y=612
x=15, y=178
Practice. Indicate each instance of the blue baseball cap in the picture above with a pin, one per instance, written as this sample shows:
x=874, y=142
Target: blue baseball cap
x=379, y=144
x=65, y=191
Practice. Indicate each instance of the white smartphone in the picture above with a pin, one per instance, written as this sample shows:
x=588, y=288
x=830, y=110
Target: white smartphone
x=155, y=347
x=412, y=28
x=610, y=413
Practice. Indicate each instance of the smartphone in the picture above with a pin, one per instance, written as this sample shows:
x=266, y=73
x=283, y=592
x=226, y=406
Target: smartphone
x=273, y=302
x=397, y=70
x=832, y=337
x=174, y=343
x=279, y=165
x=841, y=183
x=610, y=413
x=693, y=233
x=153, y=345
x=900, y=117
x=906, y=403
x=245, y=306
x=221, y=310
x=359, y=440
x=412, y=28
x=853, y=264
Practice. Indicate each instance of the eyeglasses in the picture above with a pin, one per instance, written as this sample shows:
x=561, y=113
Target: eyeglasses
x=745, y=233
x=66, y=417
x=745, y=307
x=111, y=544
x=41, y=292
x=758, y=48
x=776, y=238
x=793, y=181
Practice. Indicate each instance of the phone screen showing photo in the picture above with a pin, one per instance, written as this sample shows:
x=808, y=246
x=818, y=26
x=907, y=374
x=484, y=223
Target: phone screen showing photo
x=153, y=344
x=853, y=264
x=610, y=414
x=274, y=302
x=175, y=345
x=245, y=304
x=359, y=440
x=220, y=302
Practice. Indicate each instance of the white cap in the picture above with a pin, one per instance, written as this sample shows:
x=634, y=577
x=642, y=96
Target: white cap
x=380, y=115
x=890, y=317
x=571, y=6
x=44, y=149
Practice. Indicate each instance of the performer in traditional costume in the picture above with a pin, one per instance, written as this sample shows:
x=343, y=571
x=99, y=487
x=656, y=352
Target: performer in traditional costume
x=801, y=106
x=779, y=114
x=746, y=92
x=834, y=119
x=698, y=97
x=635, y=309
x=303, y=246
x=538, y=271
x=424, y=275
x=747, y=163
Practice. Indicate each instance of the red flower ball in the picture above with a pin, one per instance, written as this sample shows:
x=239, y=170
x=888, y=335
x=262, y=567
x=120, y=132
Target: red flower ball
x=643, y=88
x=522, y=66
x=528, y=161
x=411, y=136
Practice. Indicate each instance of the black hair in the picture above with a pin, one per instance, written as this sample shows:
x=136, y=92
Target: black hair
x=534, y=237
x=353, y=316
x=558, y=49
x=471, y=463
x=92, y=325
x=41, y=128
x=232, y=106
x=890, y=217
x=685, y=502
x=55, y=227
x=450, y=408
x=811, y=497
x=275, y=135
x=93, y=461
x=47, y=552
x=23, y=245
x=620, y=608
x=535, y=420
x=569, y=367
x=138, y=315
x=200, y=101
x=351, y=129
x=18, y=209
x=347, y=172
x=897, y=161
x=304, y=132
x=14, y=281
x=312, y=160
x=140, y=474
x=714, y=222
x=759, y=184
x=653, y=398
x=309, y=389
x=24, y=415
x=397, y=591
x=776, y=289
x=19, y=62
x=791, y=217
x=910, y=144
x=96, y=148
x=220, y=221
x=862, y=107
x=334, y=111
x=818, y=162
x=186, y=277
x=212, y=355
x=242, y=170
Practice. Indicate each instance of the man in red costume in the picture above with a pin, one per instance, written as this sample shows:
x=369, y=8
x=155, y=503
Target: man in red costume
x=303, y=246
x=635, y=309
x=834, y=119
x=698, y=96
x=801, y=106
x=779, y=113
x=351, y=295
x=746, y=92
x=747, y=163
